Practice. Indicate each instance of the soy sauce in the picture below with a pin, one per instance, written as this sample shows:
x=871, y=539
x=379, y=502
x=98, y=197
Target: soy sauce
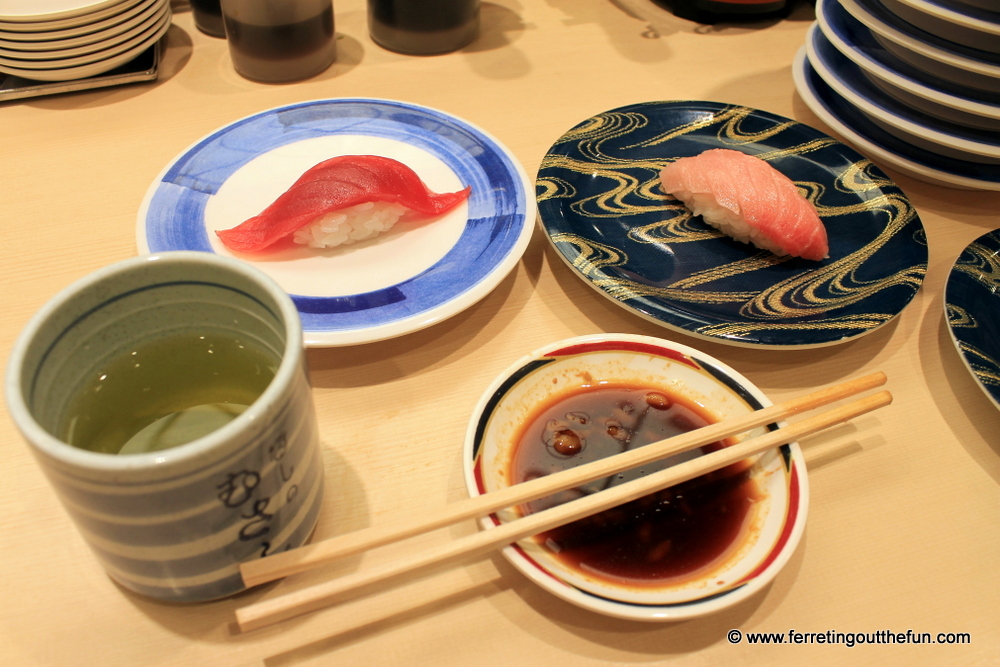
x=667, y=536
x=283, y=52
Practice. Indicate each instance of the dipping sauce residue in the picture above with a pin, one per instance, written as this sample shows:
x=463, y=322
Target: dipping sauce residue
x=670, y=535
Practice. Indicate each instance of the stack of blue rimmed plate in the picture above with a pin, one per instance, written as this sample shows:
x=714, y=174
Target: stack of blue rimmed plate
x=913, y=83
x=63, y=40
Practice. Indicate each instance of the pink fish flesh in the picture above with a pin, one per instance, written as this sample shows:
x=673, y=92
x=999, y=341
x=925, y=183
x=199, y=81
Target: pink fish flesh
x=748, y=199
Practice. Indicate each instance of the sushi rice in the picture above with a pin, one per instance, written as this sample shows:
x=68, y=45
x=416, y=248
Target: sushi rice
x=728, y=221
x=348, y=225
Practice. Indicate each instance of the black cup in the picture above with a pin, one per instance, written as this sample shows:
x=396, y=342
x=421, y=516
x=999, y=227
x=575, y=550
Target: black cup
x=208, y=17
x=728, y=11
x=277, y=41
x=423, y=27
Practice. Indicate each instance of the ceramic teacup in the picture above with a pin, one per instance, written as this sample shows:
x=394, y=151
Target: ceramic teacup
x=174, y=520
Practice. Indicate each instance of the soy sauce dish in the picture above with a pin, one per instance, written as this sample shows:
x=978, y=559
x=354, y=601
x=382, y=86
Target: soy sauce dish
x=687, y=551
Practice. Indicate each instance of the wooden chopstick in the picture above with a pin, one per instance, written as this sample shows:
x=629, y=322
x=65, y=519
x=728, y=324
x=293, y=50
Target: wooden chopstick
x=280, y=565
x=316, y=597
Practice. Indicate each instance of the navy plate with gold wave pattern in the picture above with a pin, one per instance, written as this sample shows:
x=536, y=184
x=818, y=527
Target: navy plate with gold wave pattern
x=972, y=307
x=602, y=207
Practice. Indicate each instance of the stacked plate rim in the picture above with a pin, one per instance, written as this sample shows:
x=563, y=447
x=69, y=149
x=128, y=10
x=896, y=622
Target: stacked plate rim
x=925, y=105
x=64, y=40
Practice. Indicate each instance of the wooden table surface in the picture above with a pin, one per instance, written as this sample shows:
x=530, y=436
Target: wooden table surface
x=903, y=525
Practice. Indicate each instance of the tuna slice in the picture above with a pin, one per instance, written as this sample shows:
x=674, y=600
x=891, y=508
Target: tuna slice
x=336, y=184
x=748, y=199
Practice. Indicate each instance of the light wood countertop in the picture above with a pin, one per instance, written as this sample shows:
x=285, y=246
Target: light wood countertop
x=904, y=523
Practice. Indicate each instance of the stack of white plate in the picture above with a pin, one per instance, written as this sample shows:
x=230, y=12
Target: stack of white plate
x=62, y=40
x=913, y=83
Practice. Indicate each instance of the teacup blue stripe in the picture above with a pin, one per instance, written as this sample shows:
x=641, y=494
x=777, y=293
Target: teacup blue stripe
x=141, y=557
x=173, y=494
x=166, y=583
x=153, y=527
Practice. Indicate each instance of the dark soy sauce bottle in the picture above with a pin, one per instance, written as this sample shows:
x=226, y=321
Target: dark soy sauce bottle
x=423, y=27
x=728, y=11
x=208, y=17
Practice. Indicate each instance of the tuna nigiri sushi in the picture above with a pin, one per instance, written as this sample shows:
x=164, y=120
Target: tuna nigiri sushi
x=746, y=198
x=341, y=200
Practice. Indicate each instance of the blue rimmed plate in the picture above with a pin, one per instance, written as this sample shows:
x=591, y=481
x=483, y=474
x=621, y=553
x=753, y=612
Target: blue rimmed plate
x=924, y=51
x=762, y=544
x=922, y=164
x=936, y=135
x=602, y=207
x=972, y=309
x=404, y=280
x=933, y=95
x=955, y=22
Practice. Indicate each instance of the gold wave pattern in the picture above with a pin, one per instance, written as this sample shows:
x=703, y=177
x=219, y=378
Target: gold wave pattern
x=761, y=260
x=611, y=202
x=863, y=321
x=859, y=178
x=809, y=294
x=982, y=364
x=677, y=229
x=959, y=317
x=556, y=188
x=589, y=139
x=983, y=265
x=592, y=258
x=834, y=285
x=725, y=117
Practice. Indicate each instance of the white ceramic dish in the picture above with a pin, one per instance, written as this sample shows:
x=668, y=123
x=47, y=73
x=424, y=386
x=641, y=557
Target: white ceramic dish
x=946, y=60
x=75, y=37
x=51, y=11
x=937, y=136
x=56, y=58
x=48, y=32
x=770, y=531
x=92, y=68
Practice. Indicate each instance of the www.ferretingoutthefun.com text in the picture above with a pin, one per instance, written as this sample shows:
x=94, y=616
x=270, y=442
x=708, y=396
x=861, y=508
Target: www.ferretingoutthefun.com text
x=849, y=639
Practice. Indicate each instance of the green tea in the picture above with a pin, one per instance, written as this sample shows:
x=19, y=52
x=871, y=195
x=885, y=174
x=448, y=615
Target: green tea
x=166, y=393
